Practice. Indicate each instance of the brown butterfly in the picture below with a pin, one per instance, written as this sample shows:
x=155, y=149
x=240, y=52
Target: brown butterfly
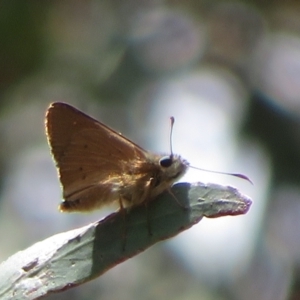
x=98, y=166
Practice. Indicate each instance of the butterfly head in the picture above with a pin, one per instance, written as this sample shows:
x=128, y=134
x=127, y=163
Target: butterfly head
x=173, y=167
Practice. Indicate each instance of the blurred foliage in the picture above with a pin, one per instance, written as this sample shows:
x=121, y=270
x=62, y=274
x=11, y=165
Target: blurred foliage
x=108, y=53
x=22, y=43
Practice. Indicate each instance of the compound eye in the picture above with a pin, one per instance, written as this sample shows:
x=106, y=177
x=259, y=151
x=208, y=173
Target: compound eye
x=166, y=161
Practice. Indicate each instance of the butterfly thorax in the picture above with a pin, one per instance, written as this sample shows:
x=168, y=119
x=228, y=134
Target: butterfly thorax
x=147, y=178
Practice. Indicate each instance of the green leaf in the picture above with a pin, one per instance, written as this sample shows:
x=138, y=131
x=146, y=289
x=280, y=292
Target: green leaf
x=74, y=257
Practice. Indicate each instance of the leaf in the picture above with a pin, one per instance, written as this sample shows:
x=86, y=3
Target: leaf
x=71, y=258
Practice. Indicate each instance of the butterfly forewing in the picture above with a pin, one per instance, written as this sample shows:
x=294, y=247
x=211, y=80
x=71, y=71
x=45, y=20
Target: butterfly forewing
x=90, y=157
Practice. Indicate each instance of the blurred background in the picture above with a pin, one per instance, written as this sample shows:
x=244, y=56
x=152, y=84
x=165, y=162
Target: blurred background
x=228, y=71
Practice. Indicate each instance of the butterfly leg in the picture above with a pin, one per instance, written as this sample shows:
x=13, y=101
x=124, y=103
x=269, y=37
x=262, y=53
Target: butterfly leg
x=124, y=227
x=148, y=189
x=175, y=198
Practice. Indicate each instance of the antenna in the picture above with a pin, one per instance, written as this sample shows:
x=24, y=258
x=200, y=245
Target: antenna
x=172, y=119
x=242, y=176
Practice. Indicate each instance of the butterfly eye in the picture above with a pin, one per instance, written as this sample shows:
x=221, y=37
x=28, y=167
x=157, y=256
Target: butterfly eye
x=166, y=161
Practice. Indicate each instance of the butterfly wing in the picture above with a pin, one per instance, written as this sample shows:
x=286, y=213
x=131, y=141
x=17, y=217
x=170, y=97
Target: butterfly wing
x=90, y=156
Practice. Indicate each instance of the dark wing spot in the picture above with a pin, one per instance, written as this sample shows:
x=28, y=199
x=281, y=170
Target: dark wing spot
x=65, y=205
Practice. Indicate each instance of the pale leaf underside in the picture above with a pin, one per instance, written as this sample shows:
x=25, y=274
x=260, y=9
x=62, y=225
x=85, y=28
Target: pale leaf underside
x=71, y=258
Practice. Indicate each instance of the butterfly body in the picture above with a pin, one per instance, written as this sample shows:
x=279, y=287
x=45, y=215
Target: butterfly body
x=98, y=166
